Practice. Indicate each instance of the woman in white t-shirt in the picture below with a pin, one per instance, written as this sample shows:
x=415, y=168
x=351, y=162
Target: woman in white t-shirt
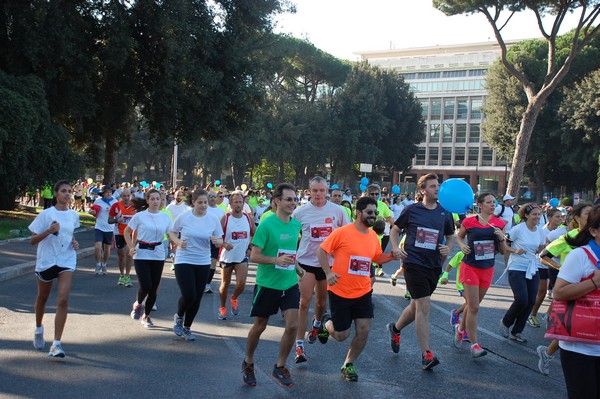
x=144, y=236
x=193, y=232
x=578, y=277
x=56, y=260
x=527, y=241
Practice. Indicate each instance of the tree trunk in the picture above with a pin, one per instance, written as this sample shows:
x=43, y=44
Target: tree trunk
x=522, y=144
x=110, y=160
x=281, y=174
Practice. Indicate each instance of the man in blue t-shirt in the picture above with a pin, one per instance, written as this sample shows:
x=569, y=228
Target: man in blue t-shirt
x=426, y=225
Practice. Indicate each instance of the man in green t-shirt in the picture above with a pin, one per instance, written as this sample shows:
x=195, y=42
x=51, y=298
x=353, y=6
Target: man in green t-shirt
x=274, y=249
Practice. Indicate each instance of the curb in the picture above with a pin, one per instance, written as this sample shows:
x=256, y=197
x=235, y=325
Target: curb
x=10, y=272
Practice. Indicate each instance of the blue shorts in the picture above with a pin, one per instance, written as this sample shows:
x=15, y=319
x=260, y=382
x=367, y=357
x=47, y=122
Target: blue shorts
x=106, y=237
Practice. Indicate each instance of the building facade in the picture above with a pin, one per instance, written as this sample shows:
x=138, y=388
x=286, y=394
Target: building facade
x=449, y=82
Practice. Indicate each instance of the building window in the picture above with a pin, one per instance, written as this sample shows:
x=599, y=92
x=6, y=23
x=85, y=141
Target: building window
x=447, y=134
x=433, y=156
x=474, y=133
x=420, y=156
x=428, y=75
x=455, y=74
x=461, y=133
x=436, y=109
x=449, y=109
x=424, y=108
x=477, y=72
x=476, y=108
x=446, y=156
x=487, y=156
x=462, y=109
x=473, y=156
x=409, y=76
x=434, y=133
x=459, y=156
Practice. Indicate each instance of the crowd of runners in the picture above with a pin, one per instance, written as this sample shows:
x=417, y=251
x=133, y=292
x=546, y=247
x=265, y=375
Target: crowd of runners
x=327, y=244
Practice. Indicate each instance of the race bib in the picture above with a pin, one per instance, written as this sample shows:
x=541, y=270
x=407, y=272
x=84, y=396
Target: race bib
x=239, y=235
x=126, y=219
x=427, y=238
x=286, y=252
x=319, y=232
x=359, y=266
x=483, y=249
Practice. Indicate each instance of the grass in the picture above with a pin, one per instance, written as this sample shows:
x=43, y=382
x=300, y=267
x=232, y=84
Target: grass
x=20, y=220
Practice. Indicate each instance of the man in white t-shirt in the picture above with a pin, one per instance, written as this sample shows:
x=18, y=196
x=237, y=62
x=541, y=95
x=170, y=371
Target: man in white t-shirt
x=103, y=231
x=505, y=212
x=178, y=206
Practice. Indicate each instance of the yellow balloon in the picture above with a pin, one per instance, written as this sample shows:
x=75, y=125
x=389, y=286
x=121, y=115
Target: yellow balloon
x=244, y=186
x=90, y=180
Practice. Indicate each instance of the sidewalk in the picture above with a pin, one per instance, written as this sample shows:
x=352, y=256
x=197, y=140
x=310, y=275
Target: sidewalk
x=17, y=257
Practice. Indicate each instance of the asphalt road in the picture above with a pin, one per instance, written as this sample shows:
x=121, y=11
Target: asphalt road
x=111, y=355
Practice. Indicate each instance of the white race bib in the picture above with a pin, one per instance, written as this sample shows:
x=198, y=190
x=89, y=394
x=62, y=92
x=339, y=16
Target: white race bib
x=484, y=249
x=427, y=238
x=319, y=232
x=286, y=252
x=360, y=266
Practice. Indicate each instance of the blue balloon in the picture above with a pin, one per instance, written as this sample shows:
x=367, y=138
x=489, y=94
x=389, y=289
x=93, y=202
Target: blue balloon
x=363, y=187
x=554, y=202
x=217, y=182
x=395, y=189
x=364, y=181
x=335, y=187
x=158, y=185
x=269, y=186
x=456, y=196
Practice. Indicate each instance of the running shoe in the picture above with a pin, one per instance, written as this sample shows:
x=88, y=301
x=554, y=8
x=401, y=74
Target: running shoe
x=208, y=289
x=147, y=322
x=477, y=351
x=222, y=314
x=323, y=334
x=407, y=295
x=394, y=337
x=56, y=350
x=188, y=335
x=393, y=281
x=533, y=321
x=518, y=337
x=137, y=311
x=458, y=337
x=454, y=318
x=545, y=359
x=98, y=268
x=103, y=268
x=121, y=280
x=234, y=306
x=349, y=372
x=429, y=361
x=300, y=355
x=549, y=294
x=282, y=376
x=504, y=329
x=380, y=272
x=248, y=374
x=178, y=325
x=466, y=337
x=38, y=340
x=128, y=281
x=313, y=331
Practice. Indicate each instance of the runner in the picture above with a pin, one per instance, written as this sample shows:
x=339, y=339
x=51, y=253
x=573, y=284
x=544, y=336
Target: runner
x=103, y=231
x=422, y=261
x=52, y=230
x=319, y=219
x=193, y=232
x=354, y=247
x=144, y=237
x=120, y=214
x=274, y=249
x=238, y=230
x=178, y=206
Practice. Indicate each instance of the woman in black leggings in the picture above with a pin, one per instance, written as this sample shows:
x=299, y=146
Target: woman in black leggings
x=193, y=232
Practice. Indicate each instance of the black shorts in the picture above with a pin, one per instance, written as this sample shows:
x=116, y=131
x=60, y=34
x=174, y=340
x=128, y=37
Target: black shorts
x=214, y=251
x=225, y=265
x=267, y=301
x=317, y=271
x=106, y=237
x=52, y=273
x=344, y=310
x=120, y=241
x=420, y=281
x=543, y=274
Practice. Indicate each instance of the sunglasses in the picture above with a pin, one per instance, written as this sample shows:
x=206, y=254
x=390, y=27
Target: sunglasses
x=371, y=212
x=212, y=196
x=374, y=194
x=289, y=199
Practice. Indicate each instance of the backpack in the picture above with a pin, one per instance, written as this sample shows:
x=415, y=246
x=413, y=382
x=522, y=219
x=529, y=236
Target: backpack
x=501, y=211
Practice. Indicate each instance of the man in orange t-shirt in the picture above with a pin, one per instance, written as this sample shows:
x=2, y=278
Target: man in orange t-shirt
x=120, y=214
x=354, y=247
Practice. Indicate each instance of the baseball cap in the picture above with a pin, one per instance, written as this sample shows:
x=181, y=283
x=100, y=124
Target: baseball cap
x=508, y=197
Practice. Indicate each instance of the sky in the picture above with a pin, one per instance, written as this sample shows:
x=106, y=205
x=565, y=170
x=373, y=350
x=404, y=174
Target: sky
x=343, y=27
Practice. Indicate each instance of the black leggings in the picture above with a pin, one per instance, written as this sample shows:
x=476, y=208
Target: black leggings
x=148, y=274
x=582, y=374
x=191, y=280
